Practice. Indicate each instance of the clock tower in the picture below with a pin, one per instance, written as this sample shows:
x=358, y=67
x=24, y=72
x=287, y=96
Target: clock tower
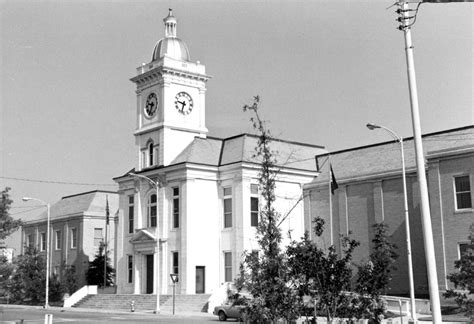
x=170, y=100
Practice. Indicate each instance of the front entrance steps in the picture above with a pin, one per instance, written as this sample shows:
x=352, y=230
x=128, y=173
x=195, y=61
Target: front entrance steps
x=189, y=303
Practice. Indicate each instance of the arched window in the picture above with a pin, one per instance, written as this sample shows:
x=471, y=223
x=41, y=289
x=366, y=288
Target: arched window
x=151, y=154
x=152, y=211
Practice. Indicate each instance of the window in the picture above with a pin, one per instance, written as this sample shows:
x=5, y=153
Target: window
x=463, y=192
x=58, y=240
x=73, y=238
x=131, y=203
x=228, y=266
x=130, y=268
x=175, y=268
x=98, y=237
x=150, y=154
x=227, y=207
x=254, y=205
x=175, y=207
x=42, y=241
x=152, y=211
x=465, y=249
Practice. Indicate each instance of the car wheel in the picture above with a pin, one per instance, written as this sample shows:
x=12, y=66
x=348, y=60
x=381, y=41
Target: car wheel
x=222, y=316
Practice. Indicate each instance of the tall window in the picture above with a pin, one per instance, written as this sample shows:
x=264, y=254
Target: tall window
x=254, y=205
x=42, y=241
x=152, y=211
x=98, y=237
x=73, y=238
x=463, y=192
x=130, y=268
x=227, y=207
x=58, y=240
x=131, y=203
x=175, y=207
x=151, y=160
x=175, y=268
x=228, y=266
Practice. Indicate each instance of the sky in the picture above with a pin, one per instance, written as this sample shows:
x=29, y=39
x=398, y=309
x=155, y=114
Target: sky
x=323, y=70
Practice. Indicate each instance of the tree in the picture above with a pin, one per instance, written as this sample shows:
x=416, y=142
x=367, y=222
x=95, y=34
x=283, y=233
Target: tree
x=28, y=280
x=265, y=274
x=8, y=225
x=6, y=270
x=323, y=274
x=95, y=273
x=463, y=279
x=375, y=275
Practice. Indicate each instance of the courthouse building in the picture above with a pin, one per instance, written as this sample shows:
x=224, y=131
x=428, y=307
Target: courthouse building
x=370, y=190
x=190, y=205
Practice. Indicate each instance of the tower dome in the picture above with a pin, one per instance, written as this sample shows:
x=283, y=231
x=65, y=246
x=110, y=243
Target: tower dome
x=171, y=45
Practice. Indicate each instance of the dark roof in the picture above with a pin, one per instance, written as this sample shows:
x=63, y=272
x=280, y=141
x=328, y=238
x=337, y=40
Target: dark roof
x=385, y=157
x=92, y=202
x=241, y=148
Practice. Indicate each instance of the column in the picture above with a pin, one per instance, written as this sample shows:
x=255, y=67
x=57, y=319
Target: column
x=137, y=260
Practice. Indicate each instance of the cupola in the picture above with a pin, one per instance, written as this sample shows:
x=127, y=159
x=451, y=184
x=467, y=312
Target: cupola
x=171, y=45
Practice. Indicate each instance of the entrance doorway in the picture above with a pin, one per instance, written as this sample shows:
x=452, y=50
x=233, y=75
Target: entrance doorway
x=200, y=279
x=149, y=273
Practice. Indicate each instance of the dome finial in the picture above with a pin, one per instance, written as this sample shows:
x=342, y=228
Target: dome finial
x=170, y=24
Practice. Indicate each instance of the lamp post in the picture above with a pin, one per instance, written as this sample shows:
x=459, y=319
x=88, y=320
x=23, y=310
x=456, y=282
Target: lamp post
x=46, y=298
x=156, y=185
x=407, y=218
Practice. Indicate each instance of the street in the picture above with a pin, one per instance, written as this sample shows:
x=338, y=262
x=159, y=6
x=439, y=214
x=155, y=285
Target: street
x=14, y=314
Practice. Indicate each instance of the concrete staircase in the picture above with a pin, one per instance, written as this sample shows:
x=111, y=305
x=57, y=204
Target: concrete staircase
x=188, y=303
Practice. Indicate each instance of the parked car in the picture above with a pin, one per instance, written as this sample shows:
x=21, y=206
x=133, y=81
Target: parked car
x=229, y=311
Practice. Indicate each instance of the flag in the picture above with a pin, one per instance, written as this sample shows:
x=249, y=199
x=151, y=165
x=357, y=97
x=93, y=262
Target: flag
x=334, y=185
x=107, y=212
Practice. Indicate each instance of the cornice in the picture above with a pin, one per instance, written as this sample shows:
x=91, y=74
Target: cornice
x=152, y=75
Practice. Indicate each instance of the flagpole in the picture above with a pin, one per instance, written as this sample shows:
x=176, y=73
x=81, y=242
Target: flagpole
x=330, y=199
x=105, y=244
x=421, y=171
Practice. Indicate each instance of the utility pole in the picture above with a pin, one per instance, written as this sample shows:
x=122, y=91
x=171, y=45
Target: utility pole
x=405, y=26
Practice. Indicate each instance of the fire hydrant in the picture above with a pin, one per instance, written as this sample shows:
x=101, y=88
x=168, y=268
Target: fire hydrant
x=132, y=306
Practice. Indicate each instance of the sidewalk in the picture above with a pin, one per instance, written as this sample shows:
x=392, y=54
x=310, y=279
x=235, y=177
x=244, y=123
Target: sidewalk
x=113, y=311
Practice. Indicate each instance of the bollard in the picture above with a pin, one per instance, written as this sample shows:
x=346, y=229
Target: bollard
x=48, y=318
x=132, y=306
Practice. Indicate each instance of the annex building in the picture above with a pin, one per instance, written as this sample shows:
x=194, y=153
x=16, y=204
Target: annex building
x=370, y=190
x=190, y=205
x=77, y=228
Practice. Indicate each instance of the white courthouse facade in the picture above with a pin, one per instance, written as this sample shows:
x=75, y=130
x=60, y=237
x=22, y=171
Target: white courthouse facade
x=202, y=213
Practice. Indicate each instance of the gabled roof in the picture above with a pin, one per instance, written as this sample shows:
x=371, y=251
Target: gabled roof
x=82, y=204
x=385, y=157
x=241, y=148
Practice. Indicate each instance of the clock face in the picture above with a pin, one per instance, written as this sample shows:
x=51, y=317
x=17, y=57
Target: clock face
x=183, y=103
x=151, y=105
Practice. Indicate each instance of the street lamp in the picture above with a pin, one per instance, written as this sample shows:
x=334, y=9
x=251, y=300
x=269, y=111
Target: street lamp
x=156, y=185
x=407, y=219
x=46, y=299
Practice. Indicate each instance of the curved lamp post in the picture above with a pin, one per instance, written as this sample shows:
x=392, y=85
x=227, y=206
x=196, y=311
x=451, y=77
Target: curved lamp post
x=407, y=219
x=156, y=185
x=46, y=299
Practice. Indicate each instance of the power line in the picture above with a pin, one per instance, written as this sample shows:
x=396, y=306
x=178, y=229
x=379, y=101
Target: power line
x=27, y=211
x=60, y=182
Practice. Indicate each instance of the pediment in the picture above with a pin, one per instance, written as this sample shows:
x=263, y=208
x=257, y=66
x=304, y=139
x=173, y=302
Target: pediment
x=143, y=236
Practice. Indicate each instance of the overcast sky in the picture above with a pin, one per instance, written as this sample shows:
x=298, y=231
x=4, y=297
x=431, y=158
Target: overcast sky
x=322, y=68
